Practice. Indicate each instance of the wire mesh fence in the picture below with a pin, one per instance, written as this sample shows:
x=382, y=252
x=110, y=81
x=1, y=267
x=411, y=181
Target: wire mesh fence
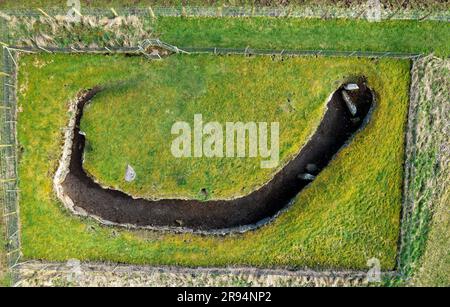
x=9, y=193
x=227, y=51
x=328, y=12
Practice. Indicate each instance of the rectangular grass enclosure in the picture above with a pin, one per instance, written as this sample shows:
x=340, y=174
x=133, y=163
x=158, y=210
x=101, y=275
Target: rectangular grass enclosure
x=349, y=214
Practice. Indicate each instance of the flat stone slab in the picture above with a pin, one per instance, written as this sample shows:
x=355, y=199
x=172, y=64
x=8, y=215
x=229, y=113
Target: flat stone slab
x=349, y=102
x=351, y=87
x=130, y=174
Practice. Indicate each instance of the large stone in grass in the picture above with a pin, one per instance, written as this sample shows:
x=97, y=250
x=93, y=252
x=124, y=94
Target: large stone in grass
x=306, y=176
x=130, y=174
x=349, y=102
x=351, y=87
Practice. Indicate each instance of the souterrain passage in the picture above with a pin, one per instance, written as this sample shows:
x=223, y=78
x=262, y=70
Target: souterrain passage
x=346, y=112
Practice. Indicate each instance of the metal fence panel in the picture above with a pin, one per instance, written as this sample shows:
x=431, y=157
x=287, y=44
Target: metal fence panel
x=317, y=11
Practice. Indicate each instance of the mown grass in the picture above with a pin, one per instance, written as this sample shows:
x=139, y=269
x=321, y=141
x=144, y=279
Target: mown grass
x=348, y=215
x=419, y=4
x=306, y=34
x=130, y=123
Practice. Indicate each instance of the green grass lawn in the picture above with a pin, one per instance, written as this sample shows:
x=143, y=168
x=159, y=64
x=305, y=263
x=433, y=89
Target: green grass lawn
x=2, y=252
x=348, y=215
x=425, y=256
x=130, y=123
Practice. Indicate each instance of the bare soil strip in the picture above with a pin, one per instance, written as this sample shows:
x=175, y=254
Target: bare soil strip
x=81, y=194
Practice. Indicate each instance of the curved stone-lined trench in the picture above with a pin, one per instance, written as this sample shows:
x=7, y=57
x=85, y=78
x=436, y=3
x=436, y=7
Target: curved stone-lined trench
x=346, y=111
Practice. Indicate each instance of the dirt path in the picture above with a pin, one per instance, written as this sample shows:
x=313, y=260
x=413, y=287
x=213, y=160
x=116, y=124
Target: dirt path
x=110, y=206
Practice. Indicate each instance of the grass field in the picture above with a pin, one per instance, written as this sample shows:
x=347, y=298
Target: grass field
x=3, y=267
x=260, y=33
x=426, y=257
x=348, y=215
x=435, y=266
x=131, y=123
